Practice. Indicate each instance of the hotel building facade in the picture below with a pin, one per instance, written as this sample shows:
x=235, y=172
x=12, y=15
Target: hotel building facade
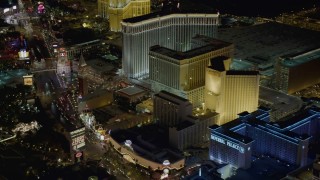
x=117, y=10
x=173, y=31
x=103, y=6
x=229, y=92
x=175, y=113
x=253, y=135
x=169, y=109
x=183, y=73
x=298, y=71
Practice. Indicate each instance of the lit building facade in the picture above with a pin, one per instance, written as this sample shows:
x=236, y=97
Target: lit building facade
x=289, y=70
x=103, y=6
x=123, y=9
x=183, y=73
x=169, y=109
x=253, y=135
x=230, y=92
x=173, y=31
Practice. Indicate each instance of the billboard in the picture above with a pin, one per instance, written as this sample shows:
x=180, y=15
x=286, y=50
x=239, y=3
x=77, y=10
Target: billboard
x=23, y=54
x=41, y=8
x=78, y=156
x=78, y=138
x=28, y=80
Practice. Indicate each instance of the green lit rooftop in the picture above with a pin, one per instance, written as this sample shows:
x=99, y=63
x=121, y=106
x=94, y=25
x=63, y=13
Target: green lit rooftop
x=301, y=58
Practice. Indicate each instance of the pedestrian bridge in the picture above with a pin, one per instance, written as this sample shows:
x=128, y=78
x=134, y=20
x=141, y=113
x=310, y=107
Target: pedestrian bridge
x=42, y=70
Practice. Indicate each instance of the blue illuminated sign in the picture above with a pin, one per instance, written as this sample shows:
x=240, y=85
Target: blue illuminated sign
x=228, y=143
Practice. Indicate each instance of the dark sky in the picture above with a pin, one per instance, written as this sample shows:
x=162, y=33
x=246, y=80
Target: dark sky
x=7, y=3
x=266, y=8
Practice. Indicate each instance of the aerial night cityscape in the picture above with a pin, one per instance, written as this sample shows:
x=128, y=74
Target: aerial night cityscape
x=160, y=89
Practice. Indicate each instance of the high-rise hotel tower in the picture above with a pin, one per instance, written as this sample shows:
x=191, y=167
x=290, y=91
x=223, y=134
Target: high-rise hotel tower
x=230, y=92
x=103, y=6
x=183, y=73
x=117, y=10
x=170, y=30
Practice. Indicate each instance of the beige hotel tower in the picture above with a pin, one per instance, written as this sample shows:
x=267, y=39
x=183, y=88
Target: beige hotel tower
x=230, y=92
x=117, y=10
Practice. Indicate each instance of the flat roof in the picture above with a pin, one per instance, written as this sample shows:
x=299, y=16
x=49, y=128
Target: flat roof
x=292, y=119
x=225, y=130
x=131, y=90
x=301, y=58
x=162, y=14
x=183, y=125
x=217, y=63
x=232, y=72
x=96, y=94
x=11, y=76
x=237, y=136
x=279, y=101
x=100, y=65
x=255, y=119
x=151, y=139
x=171, y=97
x=263, y=43
x=213, y=45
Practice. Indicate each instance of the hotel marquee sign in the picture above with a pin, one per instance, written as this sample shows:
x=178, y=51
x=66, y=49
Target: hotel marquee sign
x=228, y=143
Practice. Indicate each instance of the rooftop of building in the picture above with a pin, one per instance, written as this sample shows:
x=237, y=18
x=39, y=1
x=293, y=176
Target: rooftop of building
x=98, y=93
x=183, y=125
x=272, y=128
x=215, y=44
x=131, y=90
x=264, y=168
x=225, y=130
x=292, y=60
x=244, y=113
x=171, y=97
x=283, y=129
x=12, y=76
x=72, y=126
x=99, y=65
x=162, y=14
x=264, y=43
x=205, y=115
x=217, y=63
x=150, y=142
x=278, y=101
x=261, y=113
x=295, y=118
x=250, y=73
x=237, y=136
